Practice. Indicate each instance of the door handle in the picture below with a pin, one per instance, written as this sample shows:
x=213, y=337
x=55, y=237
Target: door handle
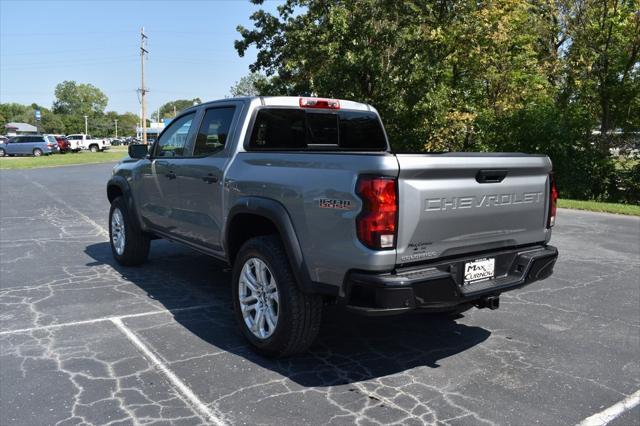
x=161, y=162
x=171, y=175
x=210, y=178
x=491, y=176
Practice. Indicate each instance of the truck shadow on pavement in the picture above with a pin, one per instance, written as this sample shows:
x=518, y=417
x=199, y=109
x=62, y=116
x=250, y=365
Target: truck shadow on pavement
x=349, y=348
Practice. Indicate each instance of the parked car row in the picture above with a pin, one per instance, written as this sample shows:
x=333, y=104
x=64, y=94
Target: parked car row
x=123, y=141
x=38, y=145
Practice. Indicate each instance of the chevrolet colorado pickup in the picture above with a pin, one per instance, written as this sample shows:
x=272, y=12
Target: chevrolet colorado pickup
x=306, y=201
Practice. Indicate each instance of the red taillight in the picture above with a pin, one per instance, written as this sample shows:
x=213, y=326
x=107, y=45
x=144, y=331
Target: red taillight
x=319, y=103
x=377, y=223
x=553, y=201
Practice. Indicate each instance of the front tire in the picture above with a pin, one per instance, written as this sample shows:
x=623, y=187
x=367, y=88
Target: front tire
x=129, y=245
x=2, y=152
x=272, y=313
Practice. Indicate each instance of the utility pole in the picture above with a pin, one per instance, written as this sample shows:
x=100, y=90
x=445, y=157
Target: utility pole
x=143, y=90
x=86, y=132
x=174, y=111
x=116, y=120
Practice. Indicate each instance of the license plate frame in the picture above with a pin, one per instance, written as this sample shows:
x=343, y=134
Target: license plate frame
x=477, y=270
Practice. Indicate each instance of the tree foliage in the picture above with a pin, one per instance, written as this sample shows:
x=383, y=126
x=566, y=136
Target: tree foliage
x=79, y=99
x=452, y=75
x=248, y=85
x=168, y=109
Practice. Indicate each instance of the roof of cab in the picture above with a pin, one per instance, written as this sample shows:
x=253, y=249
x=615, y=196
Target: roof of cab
x=284, y=101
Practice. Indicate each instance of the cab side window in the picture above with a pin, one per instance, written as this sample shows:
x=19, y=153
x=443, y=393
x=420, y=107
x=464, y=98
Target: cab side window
x=214, y=131
x=174, y=139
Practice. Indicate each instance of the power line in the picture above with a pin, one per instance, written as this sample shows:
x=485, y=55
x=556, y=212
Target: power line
x=52, y=64
x=61, y=33
x=53, y=52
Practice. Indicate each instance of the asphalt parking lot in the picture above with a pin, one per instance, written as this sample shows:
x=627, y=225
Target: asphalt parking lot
x=85, y=341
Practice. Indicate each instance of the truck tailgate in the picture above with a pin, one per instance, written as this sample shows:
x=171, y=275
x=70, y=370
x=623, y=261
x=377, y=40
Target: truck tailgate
x=458, y=203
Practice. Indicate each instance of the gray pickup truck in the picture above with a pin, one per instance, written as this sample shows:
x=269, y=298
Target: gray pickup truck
x=305, y=199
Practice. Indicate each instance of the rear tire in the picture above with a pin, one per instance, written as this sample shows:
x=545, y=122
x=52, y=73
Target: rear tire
x=2, y=152
x=129, y=245
x=37, y=152
x=298, y=315
x=93, y=148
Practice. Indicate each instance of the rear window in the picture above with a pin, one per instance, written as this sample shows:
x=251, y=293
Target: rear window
x=298, y=129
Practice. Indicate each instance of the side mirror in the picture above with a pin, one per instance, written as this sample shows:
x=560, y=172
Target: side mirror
x=138, y=151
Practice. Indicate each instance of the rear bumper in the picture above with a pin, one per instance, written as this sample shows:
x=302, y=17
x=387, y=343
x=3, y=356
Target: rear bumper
x=439, y=286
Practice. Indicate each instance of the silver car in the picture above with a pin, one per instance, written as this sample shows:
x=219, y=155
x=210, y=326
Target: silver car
x=35, y=145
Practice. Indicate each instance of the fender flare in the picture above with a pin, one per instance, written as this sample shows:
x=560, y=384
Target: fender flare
x=124, y=187
x=278, y=215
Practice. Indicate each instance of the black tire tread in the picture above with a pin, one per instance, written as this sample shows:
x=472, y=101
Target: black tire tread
x=137, y=243
x=305, y=309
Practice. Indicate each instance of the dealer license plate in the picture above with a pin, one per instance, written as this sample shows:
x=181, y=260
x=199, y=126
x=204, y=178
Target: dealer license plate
x=479, y=270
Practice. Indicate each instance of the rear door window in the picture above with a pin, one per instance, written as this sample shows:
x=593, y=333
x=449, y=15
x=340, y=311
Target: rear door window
x=298, y=129
x=214, y=131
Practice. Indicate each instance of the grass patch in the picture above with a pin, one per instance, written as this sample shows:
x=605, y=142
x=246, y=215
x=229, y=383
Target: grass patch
x=595, y=206
x=7, y=163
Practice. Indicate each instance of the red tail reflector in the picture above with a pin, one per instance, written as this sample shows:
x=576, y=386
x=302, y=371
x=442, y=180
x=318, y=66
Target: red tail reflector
x=553, y=201
x=319, y=103
x=377, y=223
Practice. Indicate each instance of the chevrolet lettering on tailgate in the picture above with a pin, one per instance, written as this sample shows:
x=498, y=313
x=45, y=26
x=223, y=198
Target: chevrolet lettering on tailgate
x=468, y=202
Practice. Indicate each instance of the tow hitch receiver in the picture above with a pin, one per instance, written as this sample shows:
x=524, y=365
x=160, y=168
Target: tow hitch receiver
x=491, y=302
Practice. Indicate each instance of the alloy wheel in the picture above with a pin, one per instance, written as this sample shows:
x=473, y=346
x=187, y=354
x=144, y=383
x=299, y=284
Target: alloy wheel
x=117, y=231
x=259, y=299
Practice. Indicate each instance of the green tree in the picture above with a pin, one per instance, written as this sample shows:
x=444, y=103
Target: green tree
x=49, y=121
x=248, y=85
x=167, y=109
x=52, y=122
x=11, y=112
x=73, y=123
x=602, y=63
x=433, y=69
x=127, y=124
x=79, y=99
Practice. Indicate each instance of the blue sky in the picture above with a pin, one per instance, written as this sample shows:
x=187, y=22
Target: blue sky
x=43, y=43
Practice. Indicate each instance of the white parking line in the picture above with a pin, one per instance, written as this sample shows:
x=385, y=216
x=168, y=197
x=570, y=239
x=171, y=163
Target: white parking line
x=180, y=386
x=605, y=416
x=111, y=318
